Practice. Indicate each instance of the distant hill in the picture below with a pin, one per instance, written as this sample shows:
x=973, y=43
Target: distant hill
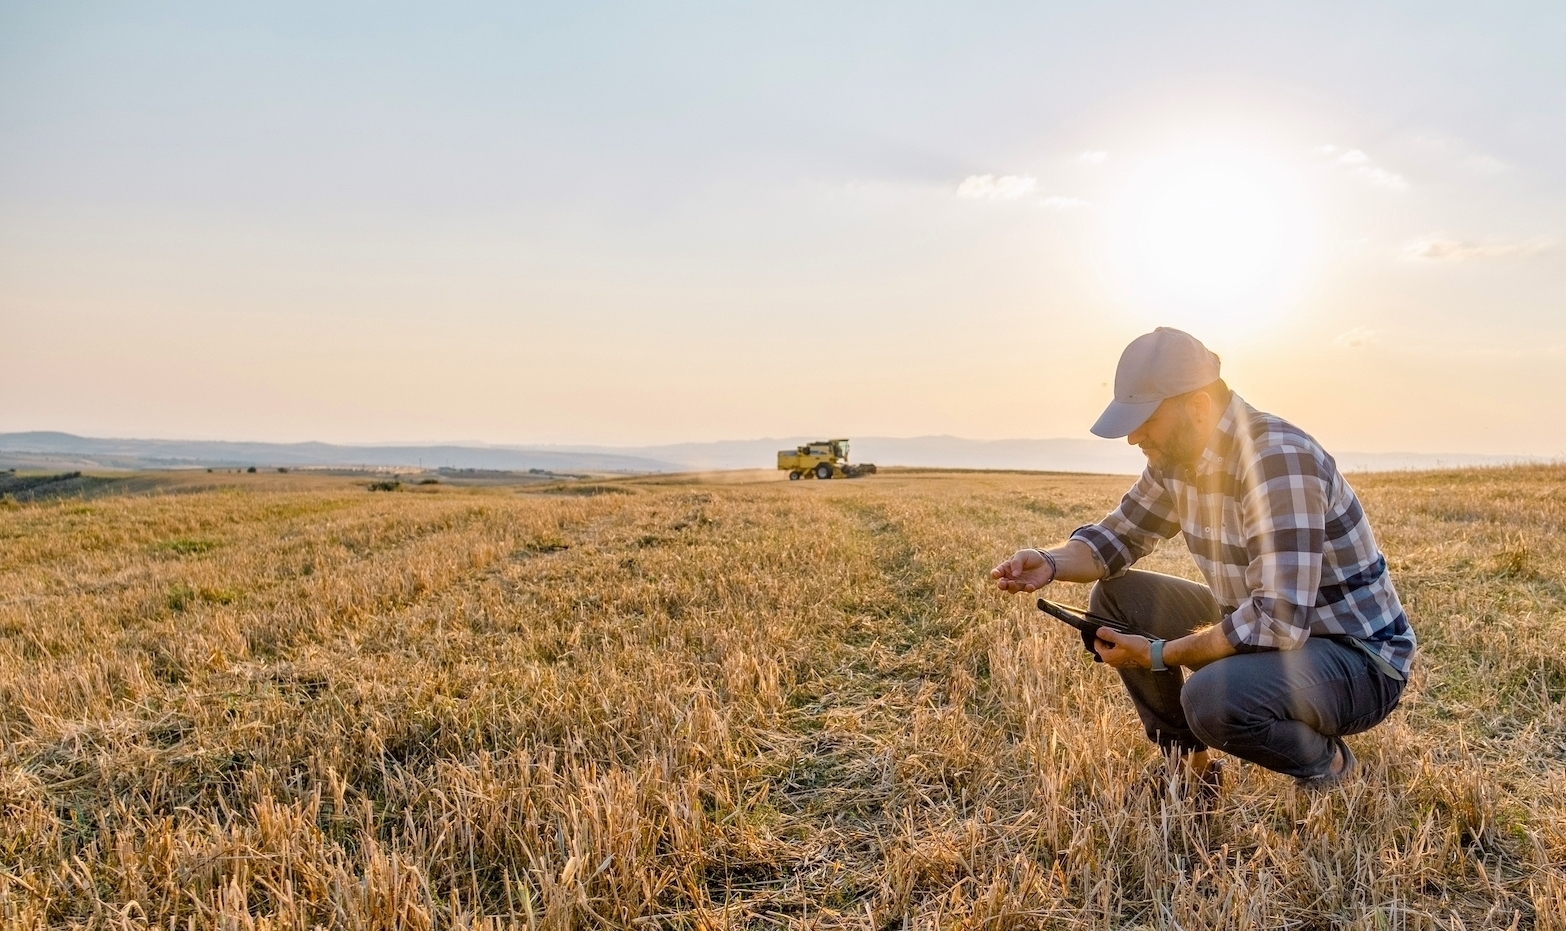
x=79, y=451
x=1059, y=455
x=43, y=449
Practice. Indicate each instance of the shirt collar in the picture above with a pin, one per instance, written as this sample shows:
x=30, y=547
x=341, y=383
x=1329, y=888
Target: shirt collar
x=1222, y=441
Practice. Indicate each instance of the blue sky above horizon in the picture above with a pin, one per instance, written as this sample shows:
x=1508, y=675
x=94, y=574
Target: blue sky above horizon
x=628, y=224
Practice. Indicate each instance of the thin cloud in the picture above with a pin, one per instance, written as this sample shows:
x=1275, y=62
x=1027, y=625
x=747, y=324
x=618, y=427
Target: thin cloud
x=1064, y=203
x=1093, y=156
x=1355, y=338
x=1456, y=250
x=1382, y=178
x=991, y=187
x=1486, y=164
x=1360, y=165
x=1466, y=156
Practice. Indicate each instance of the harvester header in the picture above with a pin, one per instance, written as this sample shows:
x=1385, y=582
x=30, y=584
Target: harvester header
x=822, y=459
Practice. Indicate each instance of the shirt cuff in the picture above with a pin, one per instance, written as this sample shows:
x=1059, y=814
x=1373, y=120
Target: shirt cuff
x=1231, y=633
x=1249, y=629
x=1109, y=554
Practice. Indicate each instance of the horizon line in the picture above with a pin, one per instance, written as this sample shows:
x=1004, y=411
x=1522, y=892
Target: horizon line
x=579, y=447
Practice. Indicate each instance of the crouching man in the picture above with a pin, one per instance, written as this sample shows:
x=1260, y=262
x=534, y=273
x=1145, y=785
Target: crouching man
x=1296, y=640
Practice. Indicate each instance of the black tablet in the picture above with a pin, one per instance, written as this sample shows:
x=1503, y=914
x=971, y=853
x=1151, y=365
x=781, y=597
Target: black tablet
x=1084, y=621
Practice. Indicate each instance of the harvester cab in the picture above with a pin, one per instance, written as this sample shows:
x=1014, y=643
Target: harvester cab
x=823, y=459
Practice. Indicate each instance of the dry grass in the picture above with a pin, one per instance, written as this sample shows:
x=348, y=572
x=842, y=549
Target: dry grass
x=293, y=703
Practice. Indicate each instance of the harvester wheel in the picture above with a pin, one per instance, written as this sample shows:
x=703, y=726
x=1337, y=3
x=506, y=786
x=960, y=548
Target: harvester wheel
x=823, y=471
x=795, y=475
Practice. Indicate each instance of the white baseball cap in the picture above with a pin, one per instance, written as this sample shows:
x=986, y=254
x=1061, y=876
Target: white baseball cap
x=1156, y=365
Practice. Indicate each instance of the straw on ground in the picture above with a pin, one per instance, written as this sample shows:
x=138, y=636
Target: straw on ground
x=669, y=703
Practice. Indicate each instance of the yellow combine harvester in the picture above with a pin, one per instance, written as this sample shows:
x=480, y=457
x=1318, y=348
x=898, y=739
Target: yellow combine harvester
x=823, y=459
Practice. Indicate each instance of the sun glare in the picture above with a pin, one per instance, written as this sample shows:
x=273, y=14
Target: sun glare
x=1210, y=239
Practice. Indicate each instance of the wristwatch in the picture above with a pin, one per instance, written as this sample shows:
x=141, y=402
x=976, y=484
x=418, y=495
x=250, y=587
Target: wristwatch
x=1156, y=649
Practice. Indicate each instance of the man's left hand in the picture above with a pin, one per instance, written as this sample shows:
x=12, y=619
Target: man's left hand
x=1124, y=651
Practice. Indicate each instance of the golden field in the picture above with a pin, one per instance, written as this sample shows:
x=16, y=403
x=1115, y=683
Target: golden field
x=730, y=701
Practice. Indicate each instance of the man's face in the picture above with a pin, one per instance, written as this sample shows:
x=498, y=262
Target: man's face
x=1169, y=438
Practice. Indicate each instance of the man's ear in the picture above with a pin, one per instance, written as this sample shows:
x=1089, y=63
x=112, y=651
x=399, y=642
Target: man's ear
x=1207, y=409
x=1198, y=405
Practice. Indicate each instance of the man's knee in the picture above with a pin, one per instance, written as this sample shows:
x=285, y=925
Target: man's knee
x=1098, y=598
x=1109, y=595
x=1156, y=605
x=1219, y=708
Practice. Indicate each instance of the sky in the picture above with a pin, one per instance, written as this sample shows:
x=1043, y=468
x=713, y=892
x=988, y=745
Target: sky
x=628, y=224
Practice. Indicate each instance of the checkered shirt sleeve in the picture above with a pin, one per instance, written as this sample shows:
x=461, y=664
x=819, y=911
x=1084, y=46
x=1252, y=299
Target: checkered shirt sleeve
x=1283, y=499
x=1145, y=516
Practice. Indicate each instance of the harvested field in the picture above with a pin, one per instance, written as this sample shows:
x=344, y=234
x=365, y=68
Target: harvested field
x=722, y=703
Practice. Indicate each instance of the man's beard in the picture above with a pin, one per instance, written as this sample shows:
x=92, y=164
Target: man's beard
x=1183, y=448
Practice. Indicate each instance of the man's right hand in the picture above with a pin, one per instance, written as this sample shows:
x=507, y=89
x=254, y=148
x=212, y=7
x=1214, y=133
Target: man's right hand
x=1026, y=571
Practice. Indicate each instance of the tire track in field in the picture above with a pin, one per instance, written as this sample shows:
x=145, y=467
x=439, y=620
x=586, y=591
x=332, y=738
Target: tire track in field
x=840, y=779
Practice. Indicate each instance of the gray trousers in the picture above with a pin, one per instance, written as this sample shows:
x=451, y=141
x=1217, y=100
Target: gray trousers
x=1286, y=710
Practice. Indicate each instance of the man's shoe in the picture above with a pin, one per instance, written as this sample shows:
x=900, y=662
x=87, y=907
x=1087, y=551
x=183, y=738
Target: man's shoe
x=1331, y=779
x=1208, y=786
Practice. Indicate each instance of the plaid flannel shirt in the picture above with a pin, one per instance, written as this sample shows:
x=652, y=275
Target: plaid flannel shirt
x=1278, y=534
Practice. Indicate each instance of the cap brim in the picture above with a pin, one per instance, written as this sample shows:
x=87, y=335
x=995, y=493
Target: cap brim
x=1120, y=418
